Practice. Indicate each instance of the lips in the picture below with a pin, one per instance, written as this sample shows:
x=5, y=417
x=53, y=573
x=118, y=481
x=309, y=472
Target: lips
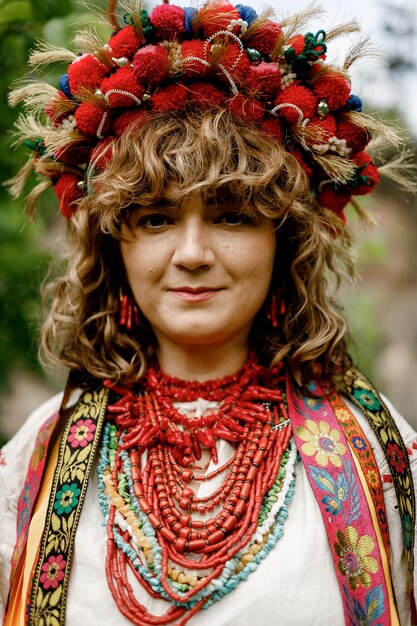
x=194, y=289
x=195, y=294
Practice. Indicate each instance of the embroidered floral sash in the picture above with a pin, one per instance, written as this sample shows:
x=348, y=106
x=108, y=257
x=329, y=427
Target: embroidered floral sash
x=339, y=493
x=364, y=395
x=364, y=454
x=78, y=446
x=30, y=490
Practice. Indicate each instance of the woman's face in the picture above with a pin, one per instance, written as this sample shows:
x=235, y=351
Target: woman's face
x=198, y=273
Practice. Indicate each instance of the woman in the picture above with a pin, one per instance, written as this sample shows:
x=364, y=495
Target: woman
x=245, y=469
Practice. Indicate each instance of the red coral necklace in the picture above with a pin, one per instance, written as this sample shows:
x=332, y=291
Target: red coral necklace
x=251, y=416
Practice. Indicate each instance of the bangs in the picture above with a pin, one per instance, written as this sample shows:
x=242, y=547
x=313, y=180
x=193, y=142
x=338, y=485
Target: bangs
x=207, y=153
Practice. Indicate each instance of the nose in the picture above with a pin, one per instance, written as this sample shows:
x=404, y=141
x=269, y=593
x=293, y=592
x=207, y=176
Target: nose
x=193, y=249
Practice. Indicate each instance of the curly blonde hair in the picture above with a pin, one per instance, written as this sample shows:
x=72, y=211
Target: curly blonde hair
x=213, y=154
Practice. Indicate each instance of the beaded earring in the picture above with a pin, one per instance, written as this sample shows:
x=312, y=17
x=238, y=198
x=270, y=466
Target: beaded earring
x=129, y=312
x=276, y=308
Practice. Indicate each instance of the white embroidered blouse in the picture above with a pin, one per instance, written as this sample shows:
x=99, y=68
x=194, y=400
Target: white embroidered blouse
x=294, y=585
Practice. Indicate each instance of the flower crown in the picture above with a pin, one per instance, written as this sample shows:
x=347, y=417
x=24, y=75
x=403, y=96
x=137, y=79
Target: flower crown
x=185, y=59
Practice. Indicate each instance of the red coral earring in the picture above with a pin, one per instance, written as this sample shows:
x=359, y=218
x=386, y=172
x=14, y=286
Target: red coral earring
x=276, y=308
x=129, y=312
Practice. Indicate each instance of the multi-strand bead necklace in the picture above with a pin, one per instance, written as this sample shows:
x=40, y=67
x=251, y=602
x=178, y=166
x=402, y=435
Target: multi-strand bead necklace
x=187, y=548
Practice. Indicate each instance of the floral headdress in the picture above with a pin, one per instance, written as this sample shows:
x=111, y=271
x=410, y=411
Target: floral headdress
x=174, y=58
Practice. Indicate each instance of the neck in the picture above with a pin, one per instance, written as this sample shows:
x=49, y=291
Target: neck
x=200, y=362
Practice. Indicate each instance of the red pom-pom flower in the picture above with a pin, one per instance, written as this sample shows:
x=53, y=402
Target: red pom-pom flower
x=247, y=109
x=191, y=68
x=129, y=118
x=168, y=21
x=124, y=43
x=301, y=98
x=86, y=71
x=273, y=128
x=266, y=38
x=216, y=16
x=264, y=80
x=335, y=199
x=235, y=62
x=90, y=120
x=151, y=64
x=367, y=176
x=122, y=89
x=297, y=43
x=68, y=192
x=204, y=95
x=170, y=98
x=357, y=138
x=334, y=89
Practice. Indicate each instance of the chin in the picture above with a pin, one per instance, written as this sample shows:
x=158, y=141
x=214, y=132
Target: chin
x=195, y=334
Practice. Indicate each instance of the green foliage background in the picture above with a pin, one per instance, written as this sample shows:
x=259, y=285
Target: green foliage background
x=24, y=251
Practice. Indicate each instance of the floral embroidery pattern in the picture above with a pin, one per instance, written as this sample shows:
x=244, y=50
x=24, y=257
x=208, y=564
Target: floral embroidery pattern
x=355, y=562
x=81, y=433
x=372, y=478
x=344, y=494
x=78, y=444
x=321, y=442
x=359, y=443
x=338, y=488
x=367, y=398
x=53, y=571
x=396, y=456
x=373, y=608
x=366, y=458
x=387, y=433
x=66, y=499
x=30, y=488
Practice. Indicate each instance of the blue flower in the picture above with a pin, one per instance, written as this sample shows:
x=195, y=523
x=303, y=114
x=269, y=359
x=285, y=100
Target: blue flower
x=359, y=443
x=354, y=103
x=247, y=13
x=189, y=14
x=63, y=83
x=334, y=502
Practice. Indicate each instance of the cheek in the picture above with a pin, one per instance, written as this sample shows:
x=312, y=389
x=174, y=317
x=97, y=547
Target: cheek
x=259, y=260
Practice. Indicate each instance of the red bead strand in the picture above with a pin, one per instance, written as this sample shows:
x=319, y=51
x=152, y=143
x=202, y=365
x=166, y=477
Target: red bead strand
x=252, y=417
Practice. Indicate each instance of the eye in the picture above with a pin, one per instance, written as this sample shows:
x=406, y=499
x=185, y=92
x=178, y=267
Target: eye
x=233, y=218
x=154, y=220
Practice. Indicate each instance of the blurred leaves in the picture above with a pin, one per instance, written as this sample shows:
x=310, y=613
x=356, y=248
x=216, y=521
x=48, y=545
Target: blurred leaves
x=400, y=26
x=15, y=12
x=24, y=254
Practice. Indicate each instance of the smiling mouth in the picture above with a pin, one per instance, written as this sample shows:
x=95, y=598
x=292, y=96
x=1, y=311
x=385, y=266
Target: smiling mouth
x=195, y=294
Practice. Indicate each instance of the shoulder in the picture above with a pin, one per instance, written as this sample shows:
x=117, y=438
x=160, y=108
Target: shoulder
x=16, y=454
